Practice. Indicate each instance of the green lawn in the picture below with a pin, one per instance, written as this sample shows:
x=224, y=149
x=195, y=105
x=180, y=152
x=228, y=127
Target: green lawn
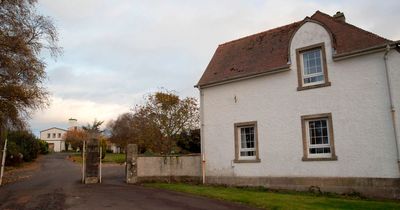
x=262, y=198
x=114, y=158
x=109, y=158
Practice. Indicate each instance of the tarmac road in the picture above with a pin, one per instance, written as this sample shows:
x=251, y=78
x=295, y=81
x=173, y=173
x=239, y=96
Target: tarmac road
x=56, y=184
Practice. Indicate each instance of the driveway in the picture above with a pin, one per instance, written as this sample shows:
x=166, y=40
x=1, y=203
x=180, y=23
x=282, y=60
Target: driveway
x=55, y=184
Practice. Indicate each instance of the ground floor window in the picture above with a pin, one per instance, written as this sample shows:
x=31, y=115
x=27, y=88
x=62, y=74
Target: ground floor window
x=246, y=142
x=318, y=142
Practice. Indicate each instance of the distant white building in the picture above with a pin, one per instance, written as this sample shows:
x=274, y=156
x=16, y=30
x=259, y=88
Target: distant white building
x=54, y=137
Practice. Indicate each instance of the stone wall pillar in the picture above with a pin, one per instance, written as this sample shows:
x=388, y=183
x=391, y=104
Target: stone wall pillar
x=92, y=162
x=131, y=163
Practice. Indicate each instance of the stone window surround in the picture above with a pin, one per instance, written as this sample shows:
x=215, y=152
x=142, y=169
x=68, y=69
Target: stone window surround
x=237, y=142
x=304, y=119
x=300, y=68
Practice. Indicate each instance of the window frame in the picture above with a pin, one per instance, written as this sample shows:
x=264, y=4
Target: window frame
x=306, y=145
x=250, y=159
x=300, y=67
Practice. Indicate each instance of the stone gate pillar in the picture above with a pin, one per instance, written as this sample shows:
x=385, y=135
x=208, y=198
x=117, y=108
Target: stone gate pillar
x=131, y=163
x=92, y=162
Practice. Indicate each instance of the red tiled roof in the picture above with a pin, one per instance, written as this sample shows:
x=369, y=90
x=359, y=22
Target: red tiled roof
x=267, y=51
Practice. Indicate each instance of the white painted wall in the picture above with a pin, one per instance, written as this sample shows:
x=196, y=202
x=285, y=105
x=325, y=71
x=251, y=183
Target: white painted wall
x=357, y=99
x=59, y=143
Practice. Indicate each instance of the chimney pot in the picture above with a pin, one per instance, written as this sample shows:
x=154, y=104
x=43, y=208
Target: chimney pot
x=339, y=16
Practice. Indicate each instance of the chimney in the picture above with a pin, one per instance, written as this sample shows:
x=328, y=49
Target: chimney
x=339, y=16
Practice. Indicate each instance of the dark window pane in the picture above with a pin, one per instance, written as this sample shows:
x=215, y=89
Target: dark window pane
x=325, y=132
x=311, y=124
x=318, y=132
x=326, y=140
x=319, y=140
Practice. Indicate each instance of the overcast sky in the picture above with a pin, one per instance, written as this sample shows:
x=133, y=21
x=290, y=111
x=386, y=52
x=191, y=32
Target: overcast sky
x=117, y=51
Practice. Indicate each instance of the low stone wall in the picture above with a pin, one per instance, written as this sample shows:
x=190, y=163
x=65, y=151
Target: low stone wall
x=187, y=168
x=368, y=187
x=183, y=168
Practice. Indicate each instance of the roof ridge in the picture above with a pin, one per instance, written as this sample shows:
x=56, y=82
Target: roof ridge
x=351, y=25
x=53, y=128
x=241, y=57
x=259, y=33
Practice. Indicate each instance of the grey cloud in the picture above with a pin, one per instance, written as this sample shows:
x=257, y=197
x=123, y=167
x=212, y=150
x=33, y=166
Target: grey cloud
x=115, y=51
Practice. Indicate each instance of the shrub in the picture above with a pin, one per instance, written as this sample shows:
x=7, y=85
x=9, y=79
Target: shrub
x=43, y=147
x=27, y=144
x=13, y=156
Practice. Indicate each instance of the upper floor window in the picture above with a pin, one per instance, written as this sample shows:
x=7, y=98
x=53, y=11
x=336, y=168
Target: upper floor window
x=48, y=135
x=311, y=67
x=246, y=142
x=54, y=135
x=59, y=135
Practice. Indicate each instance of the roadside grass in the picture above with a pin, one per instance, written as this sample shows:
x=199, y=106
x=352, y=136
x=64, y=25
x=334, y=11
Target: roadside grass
x=75, y=157
x=267, y=199
x=114, y=158
x=22, y=165
x=109, y=158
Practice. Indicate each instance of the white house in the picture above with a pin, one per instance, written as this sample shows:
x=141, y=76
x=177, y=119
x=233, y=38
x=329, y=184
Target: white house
x=54, y=137
x=309, y=104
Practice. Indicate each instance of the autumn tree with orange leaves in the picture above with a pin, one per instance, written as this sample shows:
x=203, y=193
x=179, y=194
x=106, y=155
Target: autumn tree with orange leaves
x=155, y=126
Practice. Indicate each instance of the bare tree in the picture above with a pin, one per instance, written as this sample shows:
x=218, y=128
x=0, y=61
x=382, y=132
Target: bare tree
x=122, y=130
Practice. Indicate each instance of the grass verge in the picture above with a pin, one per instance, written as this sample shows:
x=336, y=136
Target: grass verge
x=109, y=158
x=114, y=158
x=263, y=198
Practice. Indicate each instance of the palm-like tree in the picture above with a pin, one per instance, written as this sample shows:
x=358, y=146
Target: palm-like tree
x=93, y=128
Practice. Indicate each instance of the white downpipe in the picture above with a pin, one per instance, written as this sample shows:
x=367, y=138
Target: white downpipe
x=203, y=157
x=3, y=160
x=392, y=108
